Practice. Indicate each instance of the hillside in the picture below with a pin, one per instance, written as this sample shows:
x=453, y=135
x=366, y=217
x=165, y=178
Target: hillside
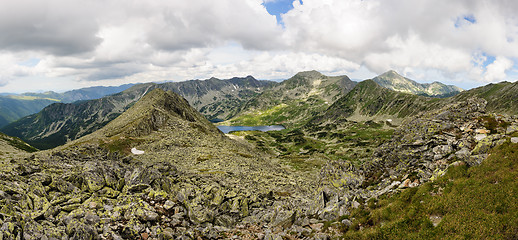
x=392, y=80
x=13, y=145
x=501, y=97
x=59, y=123
x=449, y=173
x=294, y=100
x=369, y=101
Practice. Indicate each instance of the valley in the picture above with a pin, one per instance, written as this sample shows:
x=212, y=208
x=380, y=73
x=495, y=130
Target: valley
x=375, y=159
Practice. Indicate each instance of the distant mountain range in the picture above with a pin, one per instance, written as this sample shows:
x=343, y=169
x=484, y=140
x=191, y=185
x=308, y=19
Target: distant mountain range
x=80, y=94
x=16, y=106
x=369, y=101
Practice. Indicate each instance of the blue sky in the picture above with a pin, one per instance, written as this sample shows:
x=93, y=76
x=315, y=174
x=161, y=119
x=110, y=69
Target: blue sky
x=114, y=42
x=278, y=7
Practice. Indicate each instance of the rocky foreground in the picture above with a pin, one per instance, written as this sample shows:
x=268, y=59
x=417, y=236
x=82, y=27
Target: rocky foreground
x=192, y=182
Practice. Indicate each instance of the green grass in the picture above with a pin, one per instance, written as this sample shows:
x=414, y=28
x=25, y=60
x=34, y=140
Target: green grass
x=472, y=203
x=299, y=148
x=291, y=114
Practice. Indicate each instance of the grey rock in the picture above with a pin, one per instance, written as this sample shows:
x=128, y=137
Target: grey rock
x=168, y=205
x=476, y=160
x=224, y=221
x=347, y=222
x=92, y=218
x=511, y=129
x=148, y=215
x=479, y=137
x=462, y=153
x=284, y=218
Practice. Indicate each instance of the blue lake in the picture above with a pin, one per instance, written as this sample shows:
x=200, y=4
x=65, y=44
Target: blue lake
x=227, y=129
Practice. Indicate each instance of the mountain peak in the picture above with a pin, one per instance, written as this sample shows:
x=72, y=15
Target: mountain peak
x=394, y=81
x=391, y=73
x=312, y=73
x=153, y=111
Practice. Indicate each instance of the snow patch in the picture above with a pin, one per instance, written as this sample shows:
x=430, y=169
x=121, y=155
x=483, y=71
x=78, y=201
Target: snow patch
x=136, y=151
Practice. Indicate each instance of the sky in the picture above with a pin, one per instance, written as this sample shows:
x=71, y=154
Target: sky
x=60, y=45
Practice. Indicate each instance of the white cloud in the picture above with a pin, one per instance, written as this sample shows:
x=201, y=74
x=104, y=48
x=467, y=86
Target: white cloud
x=118, y=41
x=496, y=71
x=406, y=35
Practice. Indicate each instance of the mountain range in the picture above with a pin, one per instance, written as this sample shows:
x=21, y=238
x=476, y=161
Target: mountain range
x=356, y=160
x=59, y=123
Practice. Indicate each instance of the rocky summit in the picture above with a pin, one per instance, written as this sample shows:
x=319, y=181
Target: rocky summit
x=392, y=80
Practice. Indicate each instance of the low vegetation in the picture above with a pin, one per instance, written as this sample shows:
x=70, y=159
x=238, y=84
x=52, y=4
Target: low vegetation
x=466, y=203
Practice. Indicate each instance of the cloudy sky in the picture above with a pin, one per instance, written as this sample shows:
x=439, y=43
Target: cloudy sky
x=65, y=44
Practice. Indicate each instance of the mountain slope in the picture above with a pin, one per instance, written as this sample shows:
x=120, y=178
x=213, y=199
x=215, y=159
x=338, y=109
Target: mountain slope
x=293, y=101
x=392, y=80
x=152, y=112
x=369, y=101
x=216, y=98
x=501, y=97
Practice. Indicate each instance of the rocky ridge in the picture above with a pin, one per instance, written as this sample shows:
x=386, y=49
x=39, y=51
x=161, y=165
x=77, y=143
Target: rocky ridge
x=420, y=150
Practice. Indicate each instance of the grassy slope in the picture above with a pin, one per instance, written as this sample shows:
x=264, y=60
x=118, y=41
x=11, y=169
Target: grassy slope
x=478, y=202
x=501, y=97
x=369, y=100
